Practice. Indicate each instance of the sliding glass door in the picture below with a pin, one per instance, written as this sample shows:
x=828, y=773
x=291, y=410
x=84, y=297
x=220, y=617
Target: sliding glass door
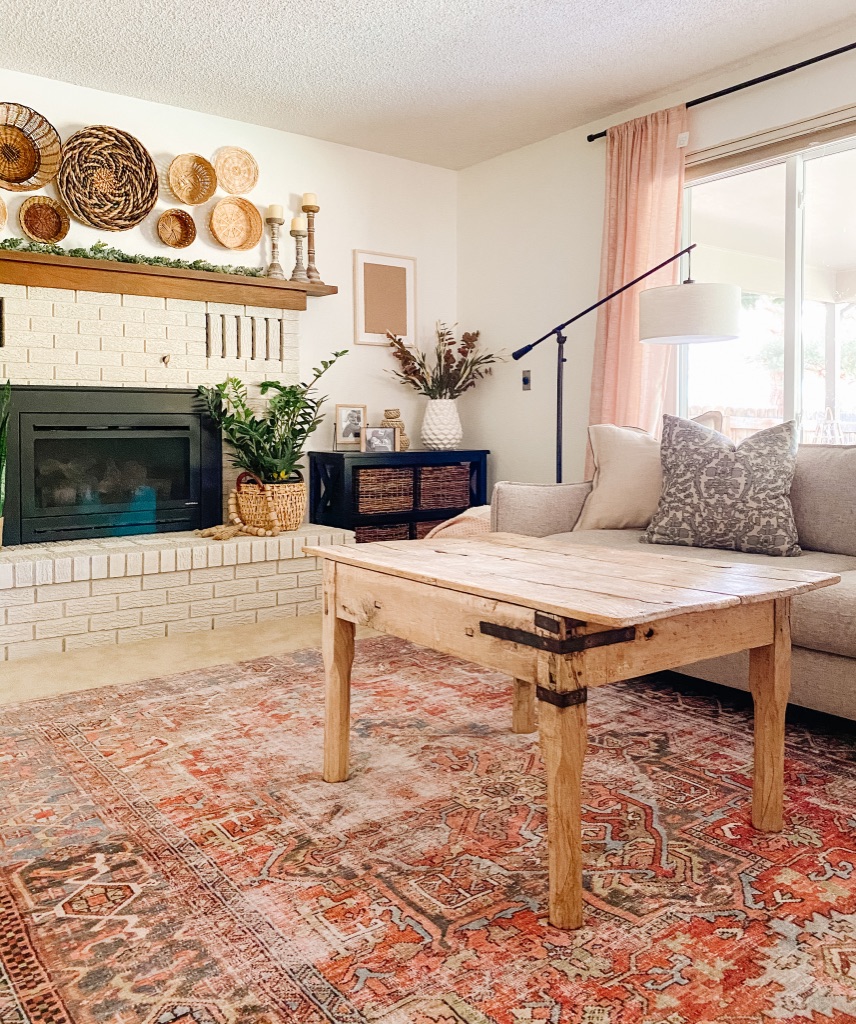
x=786, y=233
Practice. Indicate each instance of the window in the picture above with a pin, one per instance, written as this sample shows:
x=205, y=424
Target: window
x=786, y=233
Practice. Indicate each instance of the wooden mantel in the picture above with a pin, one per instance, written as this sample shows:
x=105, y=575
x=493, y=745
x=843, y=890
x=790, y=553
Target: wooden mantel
x=39, y=269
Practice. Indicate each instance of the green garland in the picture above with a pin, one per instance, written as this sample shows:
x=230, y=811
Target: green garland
x=102, y=251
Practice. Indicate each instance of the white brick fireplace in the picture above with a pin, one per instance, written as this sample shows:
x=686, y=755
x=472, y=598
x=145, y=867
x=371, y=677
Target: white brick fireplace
x=69, y=594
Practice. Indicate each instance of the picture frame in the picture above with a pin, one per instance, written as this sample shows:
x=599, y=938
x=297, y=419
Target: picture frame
x=384, y=297
x=380, y=440
x=348, y=427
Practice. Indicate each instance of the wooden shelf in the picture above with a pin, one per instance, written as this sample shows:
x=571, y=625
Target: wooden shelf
x=38, y=269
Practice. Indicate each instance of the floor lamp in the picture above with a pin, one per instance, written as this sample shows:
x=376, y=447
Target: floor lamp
x=673, y=315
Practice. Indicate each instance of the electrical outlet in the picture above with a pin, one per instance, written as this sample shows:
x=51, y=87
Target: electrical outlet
x=527, y=380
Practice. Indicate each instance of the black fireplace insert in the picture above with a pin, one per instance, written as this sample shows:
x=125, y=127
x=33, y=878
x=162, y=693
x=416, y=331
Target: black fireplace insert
x=106, y=462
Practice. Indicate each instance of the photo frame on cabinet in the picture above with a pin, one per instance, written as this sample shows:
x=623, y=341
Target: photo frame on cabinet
x=384, y=297
x=380, y=440
x=349, y=426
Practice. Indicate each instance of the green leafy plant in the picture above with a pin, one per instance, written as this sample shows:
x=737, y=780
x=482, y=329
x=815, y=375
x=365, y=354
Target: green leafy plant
x=102, y=251
x=268, y=444
x=456, y=367
x=5, y=407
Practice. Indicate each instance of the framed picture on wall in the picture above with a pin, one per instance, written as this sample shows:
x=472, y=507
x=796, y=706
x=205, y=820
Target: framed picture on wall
x=350, y=421
x=380, y=439
x=384, y=297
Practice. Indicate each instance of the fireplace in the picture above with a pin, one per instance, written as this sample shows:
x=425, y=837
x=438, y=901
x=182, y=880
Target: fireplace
x=105, y=462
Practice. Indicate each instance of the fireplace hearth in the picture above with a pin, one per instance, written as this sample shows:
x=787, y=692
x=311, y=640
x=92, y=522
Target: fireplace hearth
x=103, y=462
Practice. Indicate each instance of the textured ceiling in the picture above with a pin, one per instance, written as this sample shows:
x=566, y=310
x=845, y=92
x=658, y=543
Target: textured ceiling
x=447, y=82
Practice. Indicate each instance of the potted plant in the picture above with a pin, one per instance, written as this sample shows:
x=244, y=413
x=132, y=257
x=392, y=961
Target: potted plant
x=5, y=408
x=268, y=445
x=455, y=368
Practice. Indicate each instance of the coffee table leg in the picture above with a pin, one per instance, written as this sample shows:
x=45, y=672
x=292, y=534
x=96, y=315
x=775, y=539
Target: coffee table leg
x=523, y=706
x=337, y=645
x=770, y=683
x=563, y=745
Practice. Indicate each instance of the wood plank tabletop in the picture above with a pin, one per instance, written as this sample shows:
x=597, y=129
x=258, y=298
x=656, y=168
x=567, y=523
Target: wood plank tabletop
x=609, y=586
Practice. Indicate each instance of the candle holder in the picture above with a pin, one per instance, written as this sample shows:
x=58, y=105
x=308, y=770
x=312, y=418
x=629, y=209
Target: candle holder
x=299, y=272
x=311, y=269
x=274, y=269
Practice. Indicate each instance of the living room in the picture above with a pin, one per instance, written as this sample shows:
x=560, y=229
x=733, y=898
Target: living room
x=203, y=820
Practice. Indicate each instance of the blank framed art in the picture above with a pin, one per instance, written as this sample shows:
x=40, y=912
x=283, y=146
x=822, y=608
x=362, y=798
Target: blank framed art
x=384, y=297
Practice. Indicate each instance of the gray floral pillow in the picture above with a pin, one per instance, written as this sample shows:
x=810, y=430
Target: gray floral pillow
x=720, y=495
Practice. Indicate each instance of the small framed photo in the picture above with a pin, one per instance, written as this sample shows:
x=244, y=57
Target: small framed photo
x=384, y=298
x=380, y=439
x=350, y=421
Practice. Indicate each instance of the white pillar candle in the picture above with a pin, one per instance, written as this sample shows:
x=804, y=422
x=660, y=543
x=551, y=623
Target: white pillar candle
x=298, y=223
x=310, y=199
x=275, y=212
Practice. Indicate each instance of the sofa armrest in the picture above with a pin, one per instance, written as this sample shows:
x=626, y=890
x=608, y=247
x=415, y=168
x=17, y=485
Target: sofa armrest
x=537, y=510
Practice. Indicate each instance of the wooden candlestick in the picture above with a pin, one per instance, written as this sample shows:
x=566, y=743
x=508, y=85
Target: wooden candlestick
x=299, y=272
x=311, y=269
x=275, y=270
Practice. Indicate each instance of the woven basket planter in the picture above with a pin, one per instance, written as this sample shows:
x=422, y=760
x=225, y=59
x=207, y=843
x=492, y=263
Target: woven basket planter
x=273, y=507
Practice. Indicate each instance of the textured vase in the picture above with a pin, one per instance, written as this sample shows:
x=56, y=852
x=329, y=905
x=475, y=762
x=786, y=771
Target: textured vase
x=441, y=428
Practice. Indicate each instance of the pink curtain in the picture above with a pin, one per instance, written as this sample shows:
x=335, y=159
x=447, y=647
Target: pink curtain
x=642, y=227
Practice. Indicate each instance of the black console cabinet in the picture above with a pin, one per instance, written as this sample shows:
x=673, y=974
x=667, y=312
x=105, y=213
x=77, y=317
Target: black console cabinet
x=356, y=490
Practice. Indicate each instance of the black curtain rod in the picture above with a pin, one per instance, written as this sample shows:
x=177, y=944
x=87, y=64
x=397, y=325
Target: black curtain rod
x=753, y=81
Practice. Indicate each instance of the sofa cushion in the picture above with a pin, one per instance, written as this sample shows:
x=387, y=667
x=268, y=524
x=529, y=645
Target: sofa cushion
x=824, y=620
x=720, y=495
x=823, y=496
x=627, y=479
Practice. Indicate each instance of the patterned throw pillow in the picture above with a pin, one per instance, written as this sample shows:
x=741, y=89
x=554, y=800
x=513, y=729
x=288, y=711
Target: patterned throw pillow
x=720, y=495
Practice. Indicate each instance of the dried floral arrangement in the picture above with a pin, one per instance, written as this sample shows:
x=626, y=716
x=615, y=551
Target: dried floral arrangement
x=103, y=251
x=457, y=365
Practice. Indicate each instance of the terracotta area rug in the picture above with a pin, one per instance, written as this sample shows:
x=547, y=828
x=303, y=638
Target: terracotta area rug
x=170, y=856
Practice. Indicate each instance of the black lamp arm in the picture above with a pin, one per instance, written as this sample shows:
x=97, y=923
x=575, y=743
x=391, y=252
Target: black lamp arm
x=557, y=330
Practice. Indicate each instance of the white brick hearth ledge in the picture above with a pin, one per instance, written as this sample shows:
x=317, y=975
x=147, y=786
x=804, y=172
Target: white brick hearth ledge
x=66, y=595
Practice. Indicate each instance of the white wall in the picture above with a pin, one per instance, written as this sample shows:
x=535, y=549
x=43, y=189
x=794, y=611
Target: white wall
x=529, y=230
x=368, y=201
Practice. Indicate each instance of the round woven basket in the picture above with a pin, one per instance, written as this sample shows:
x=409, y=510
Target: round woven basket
x=43, y=219
x=236, y=224
x=29, y=148
x=176, y=229
x=270, y=506
x=192, y=179
x=237, y=170
x=107, y=178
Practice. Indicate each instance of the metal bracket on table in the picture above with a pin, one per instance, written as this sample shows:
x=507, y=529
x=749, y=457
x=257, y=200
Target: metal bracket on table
x=570, y=645
x=565, y=699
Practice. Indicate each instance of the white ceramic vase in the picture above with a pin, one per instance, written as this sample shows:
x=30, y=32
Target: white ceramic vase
x=441, y=428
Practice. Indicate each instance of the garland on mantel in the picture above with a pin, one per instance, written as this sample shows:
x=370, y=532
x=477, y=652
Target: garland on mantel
x=102, y=251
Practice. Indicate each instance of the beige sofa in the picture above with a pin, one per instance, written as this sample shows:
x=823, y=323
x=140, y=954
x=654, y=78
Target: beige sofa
x=823, y=623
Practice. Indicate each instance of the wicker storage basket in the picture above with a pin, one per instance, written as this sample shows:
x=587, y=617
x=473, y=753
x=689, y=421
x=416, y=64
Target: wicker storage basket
x=423, y=529
x=443, y=486
x=270, y=506
x=383, y=490
x=396, y=531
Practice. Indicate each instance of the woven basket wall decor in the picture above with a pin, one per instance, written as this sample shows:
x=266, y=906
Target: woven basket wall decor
x=43, y=219
x=107, y=178
x=176, y=229
x=30, y=149
x=236, y=223
x=192, y=179
x=237, y=170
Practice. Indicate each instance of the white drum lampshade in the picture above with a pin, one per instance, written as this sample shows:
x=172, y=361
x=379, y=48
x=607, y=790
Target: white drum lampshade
x=687, y=313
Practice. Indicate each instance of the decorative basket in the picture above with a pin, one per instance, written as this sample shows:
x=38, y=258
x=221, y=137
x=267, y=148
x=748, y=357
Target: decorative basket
x=176, y=229
x=43, y=219
x=237, y=170
x=29, y=148
x=271, y=507
x=423, y=529
x=192, y=179
x=107, y=178
x=236, y=224
x=444, y=486
x=383, y=490
x=367, y=534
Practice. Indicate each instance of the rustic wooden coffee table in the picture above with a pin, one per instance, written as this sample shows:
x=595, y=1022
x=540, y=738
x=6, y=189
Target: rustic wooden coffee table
x=561, y=619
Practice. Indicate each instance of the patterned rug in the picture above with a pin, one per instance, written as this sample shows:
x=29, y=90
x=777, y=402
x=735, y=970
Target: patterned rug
x=171, y=856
